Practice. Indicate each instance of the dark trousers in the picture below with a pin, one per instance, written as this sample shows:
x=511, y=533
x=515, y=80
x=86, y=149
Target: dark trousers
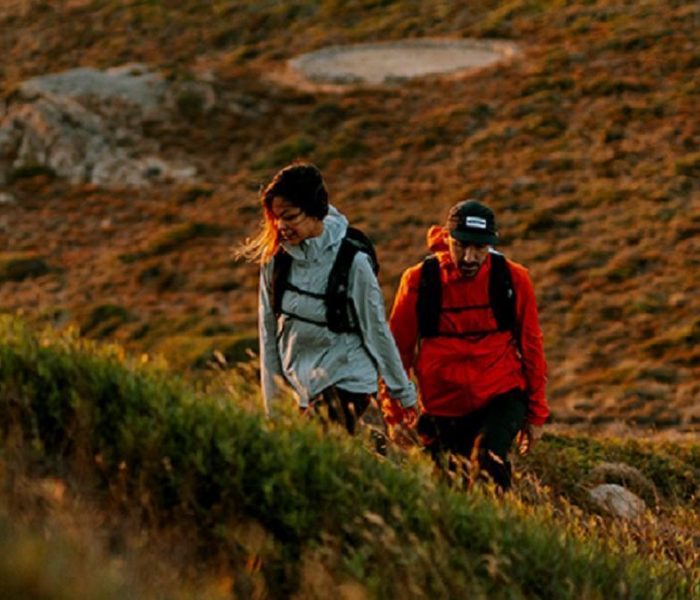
x=481, y=438
x=337, y=405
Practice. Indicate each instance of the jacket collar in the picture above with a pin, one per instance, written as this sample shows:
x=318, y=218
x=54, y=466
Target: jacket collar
x=335, y=224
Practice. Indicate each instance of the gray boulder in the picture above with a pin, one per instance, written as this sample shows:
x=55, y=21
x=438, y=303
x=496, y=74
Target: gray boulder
x=133, y=84
x=618, y=501
x=85, y=125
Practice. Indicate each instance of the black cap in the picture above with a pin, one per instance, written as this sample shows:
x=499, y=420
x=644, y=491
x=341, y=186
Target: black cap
x=471, y=221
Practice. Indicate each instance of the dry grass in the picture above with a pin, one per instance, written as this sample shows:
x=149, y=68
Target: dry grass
x=128, y=463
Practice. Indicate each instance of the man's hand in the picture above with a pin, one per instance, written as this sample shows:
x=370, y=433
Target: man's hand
x=403, y=432
x=411, y=415
x=527, y=437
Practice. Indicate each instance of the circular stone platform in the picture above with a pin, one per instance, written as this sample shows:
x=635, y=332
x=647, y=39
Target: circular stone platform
x=387, y=62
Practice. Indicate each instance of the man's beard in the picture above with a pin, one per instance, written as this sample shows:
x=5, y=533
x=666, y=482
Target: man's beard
x=469, y=269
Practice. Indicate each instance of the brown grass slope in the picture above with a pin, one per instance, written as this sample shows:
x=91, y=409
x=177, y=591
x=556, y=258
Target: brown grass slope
x=587, y=146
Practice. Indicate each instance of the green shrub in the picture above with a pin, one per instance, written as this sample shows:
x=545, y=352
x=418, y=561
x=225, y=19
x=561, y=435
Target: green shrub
x=173, y=238
x=30, y=171
x=502, y=21
x=294, y=147
x=673, y=469
x=605, y=85
x=194, y=194
x=160, y=448
x=240, y=350
x=345, y=146
x=37, y=566
x=18, y=267
x=190, y=104
x=689, y=165
x=104, y=320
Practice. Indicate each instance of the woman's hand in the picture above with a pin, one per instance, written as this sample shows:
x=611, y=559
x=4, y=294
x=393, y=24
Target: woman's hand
x=527, y=437
x=411, y=416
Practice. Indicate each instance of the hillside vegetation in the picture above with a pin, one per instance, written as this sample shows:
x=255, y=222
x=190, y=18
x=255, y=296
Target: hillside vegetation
x=270, y=510
x=122, y=479
x=587, y=146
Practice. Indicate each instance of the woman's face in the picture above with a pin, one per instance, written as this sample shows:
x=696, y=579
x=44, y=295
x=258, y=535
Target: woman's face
x=294, y=225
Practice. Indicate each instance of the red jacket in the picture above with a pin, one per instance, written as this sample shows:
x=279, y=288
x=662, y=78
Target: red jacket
x=459, y=375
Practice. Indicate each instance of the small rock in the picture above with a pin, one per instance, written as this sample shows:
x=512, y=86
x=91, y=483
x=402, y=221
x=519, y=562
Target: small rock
x=628, y=477
x=618, y=501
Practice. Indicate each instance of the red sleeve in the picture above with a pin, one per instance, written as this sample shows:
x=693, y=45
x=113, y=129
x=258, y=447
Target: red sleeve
x=531, y=346
x=403, y=320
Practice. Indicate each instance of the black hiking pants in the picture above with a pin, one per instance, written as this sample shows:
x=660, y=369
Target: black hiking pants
x=340, y=406
x=481, y=438
x=336, y=405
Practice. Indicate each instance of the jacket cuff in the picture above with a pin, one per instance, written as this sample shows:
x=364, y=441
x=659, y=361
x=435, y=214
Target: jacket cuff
x=536, y=420
x=407, y=396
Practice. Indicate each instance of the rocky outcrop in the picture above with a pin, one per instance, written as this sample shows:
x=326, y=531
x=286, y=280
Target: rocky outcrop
x=133, y=84
x=85, y=125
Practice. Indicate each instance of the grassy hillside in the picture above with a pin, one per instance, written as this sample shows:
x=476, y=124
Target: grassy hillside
x=282, y=508
x=120, y=479
x=587, y=146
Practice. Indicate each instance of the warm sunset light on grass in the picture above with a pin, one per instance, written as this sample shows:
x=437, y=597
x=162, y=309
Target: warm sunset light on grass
x=134, y=455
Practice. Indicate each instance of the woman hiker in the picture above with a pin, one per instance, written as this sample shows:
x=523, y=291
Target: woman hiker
x=321, y=315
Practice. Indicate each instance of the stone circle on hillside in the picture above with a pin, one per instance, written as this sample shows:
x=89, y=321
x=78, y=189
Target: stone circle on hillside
x=389, y=62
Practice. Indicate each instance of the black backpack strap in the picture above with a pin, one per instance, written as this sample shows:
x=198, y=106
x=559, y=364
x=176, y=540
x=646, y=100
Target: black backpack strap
x=281, y=264
x=429, y=303
x=336, y=294
x=337, y=289
x=502, y=294
x=364, y=244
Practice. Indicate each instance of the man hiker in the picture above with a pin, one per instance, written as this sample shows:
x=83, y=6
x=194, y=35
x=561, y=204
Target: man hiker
x=465, y=322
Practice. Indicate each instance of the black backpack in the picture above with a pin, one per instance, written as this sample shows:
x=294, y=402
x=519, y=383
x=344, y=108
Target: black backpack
x=501, y=299
x=336, y=294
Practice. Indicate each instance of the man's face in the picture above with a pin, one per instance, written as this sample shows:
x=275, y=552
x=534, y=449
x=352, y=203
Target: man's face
x=468, y=256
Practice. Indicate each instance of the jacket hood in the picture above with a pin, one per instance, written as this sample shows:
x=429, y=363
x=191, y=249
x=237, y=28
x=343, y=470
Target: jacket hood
x=335, y=224
x=437, y=239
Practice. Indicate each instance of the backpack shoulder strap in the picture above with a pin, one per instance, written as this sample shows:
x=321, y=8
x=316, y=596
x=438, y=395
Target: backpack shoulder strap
x=281, y=264
x=429, y=298
x=337, y=288
x=502, y=294
x=364, y=244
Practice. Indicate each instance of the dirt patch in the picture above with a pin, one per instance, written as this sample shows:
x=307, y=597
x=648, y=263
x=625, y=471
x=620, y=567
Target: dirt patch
x=397, y=61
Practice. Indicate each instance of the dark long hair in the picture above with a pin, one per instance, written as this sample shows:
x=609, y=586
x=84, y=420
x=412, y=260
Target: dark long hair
x=302, y=185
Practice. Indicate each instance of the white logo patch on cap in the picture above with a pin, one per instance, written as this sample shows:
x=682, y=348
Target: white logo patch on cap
x=476, y=222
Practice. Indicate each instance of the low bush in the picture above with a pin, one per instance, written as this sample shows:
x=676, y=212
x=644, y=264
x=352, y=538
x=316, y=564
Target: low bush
x=30, y=171
x=103, y=320
x=171, y=239
x=18, y=267
x=159, y=448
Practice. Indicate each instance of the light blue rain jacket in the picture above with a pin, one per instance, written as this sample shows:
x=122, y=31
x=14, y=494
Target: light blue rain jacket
x=310, y=357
